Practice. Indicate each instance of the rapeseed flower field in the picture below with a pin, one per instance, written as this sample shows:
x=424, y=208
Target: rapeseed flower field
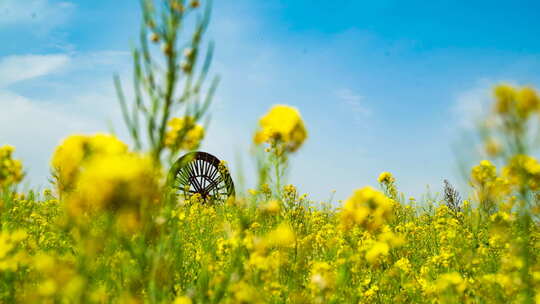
x=111, y=230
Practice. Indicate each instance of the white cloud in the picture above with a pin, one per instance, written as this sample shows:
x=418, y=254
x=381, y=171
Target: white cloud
x=354, y=102
x=70, y=105
x=35, y=127
x=22, y=67
x=27, y=118
x=44, y=13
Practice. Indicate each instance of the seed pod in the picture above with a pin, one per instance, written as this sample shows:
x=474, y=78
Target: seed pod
x=167, y=49
x=186, y=66
x=154, y=37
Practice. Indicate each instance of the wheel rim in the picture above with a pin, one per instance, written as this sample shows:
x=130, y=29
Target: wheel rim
x=202, y=173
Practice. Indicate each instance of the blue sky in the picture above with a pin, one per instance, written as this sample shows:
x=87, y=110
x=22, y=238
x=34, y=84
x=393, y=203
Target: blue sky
x=382, y=85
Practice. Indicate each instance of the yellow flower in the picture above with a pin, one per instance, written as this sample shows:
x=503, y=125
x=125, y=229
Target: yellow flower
x=404, y=265
x=371, y=292
x=366, y=207
x=71, y=155
x=7, y=150
x=490, y=189
x=196, y=198
x=183, y=134
x=386, y=177
x=10, y=256
x=505, y=95
x=289, y=191
x=527, y=101
x=484, y=172
x=282, y=236
x=44, y=263
x=452, y=279
x=323, y=276
x=282, y=124
x=245, y=293
x=272, y=207
x=523, y=170
x=388, y=182
x=521, y=102
x=47, y=287
x=378, y=249
x=115, y=182
x=392, y=239
x=11, y=171
x=99, y=295
x=182, y=300
x=128, y=221
x=223, y=168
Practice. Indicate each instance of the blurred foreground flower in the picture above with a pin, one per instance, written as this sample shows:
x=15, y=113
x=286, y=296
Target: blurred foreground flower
x=366, y=207
x=115, y=182
x=282, y=124
x=511, y=101
x=10, y=255
x=75, y=151
x=523, y=170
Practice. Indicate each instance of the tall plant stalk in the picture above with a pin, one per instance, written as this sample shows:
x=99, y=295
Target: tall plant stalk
x=167, y=80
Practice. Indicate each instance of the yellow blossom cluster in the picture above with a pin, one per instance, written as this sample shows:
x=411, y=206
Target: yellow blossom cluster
x=11, y=171
x=523, y=170
x=322, y=277
x=76, y=151
x=485, y=172
x=386, y=178
x=127, y=181
x=387, y=181
x=489, y=186
x=183, y=134
x=11, y=255
x=368, y=208
x=521, y=102
x=282, y=125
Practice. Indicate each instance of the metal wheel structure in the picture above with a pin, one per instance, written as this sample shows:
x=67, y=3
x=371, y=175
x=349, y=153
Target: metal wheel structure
x=202, y=173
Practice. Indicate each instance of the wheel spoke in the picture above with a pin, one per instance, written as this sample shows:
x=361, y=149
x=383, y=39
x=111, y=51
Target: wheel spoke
x=193, y=178
x=199, y=173
x=214, y=172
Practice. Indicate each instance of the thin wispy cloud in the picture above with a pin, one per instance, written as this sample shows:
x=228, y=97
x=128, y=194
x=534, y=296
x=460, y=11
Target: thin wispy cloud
x=17, y=68
x=354, y=102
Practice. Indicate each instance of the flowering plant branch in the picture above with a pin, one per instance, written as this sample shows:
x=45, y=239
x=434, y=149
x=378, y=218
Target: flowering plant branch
x=162, y=91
